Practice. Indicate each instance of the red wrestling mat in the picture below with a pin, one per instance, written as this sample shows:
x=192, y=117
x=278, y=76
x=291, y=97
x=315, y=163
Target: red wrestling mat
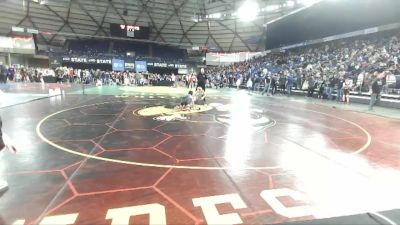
x=245, y=161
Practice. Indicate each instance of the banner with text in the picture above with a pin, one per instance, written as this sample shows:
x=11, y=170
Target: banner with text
x=140, y=66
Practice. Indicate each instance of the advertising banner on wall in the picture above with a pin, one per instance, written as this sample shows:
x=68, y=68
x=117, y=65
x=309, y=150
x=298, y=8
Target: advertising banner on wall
x=183, y=71
x=5, y=44
x=130, y=66
x=161, y=65
x=216, y=59
x=83, y=59
x=103, y=61
x=140, y=66
x=23, y=45
x=118, y=65
x=78, y=60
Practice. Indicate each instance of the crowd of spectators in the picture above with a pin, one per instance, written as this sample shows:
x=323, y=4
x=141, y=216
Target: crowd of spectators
x=326, y=70
x=25, y=74
x=86, y=76
x=336, y=67
x=120, y=49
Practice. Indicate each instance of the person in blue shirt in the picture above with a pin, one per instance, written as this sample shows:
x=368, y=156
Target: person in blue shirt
x=187, y=100
x=289, y=84
x=11, y=73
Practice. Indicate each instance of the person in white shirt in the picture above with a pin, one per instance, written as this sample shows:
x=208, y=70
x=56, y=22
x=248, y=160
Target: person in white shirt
x=238, y=81
x=249, y=84
x=173, y=78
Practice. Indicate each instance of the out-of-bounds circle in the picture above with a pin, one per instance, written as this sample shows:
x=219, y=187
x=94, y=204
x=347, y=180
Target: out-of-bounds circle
x=367, y=134
x=40, y=134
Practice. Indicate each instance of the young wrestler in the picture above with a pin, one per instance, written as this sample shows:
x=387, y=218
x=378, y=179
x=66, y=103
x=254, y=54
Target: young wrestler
x=187, y=101
x=200, y=96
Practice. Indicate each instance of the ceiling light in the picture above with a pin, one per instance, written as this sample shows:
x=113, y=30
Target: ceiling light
x=308, y=2
x=290, y=3
x=216, y=15
x=272, y=8
x=248, y=11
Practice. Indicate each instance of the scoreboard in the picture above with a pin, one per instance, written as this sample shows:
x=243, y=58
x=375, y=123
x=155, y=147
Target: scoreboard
x=129, y=31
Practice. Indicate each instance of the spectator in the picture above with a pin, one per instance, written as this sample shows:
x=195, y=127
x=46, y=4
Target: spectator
x=267, y=84
x=321, y=91
x=376, y=88
x=346, y=90
x=332, y=82
x=249, y=84
x=289, y=83
x=340, y=89
x=274, y=84
x=311, y=83
x=282, y=83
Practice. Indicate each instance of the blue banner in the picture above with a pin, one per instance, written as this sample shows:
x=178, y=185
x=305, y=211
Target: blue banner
x=118, y=65
x=140, y=66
